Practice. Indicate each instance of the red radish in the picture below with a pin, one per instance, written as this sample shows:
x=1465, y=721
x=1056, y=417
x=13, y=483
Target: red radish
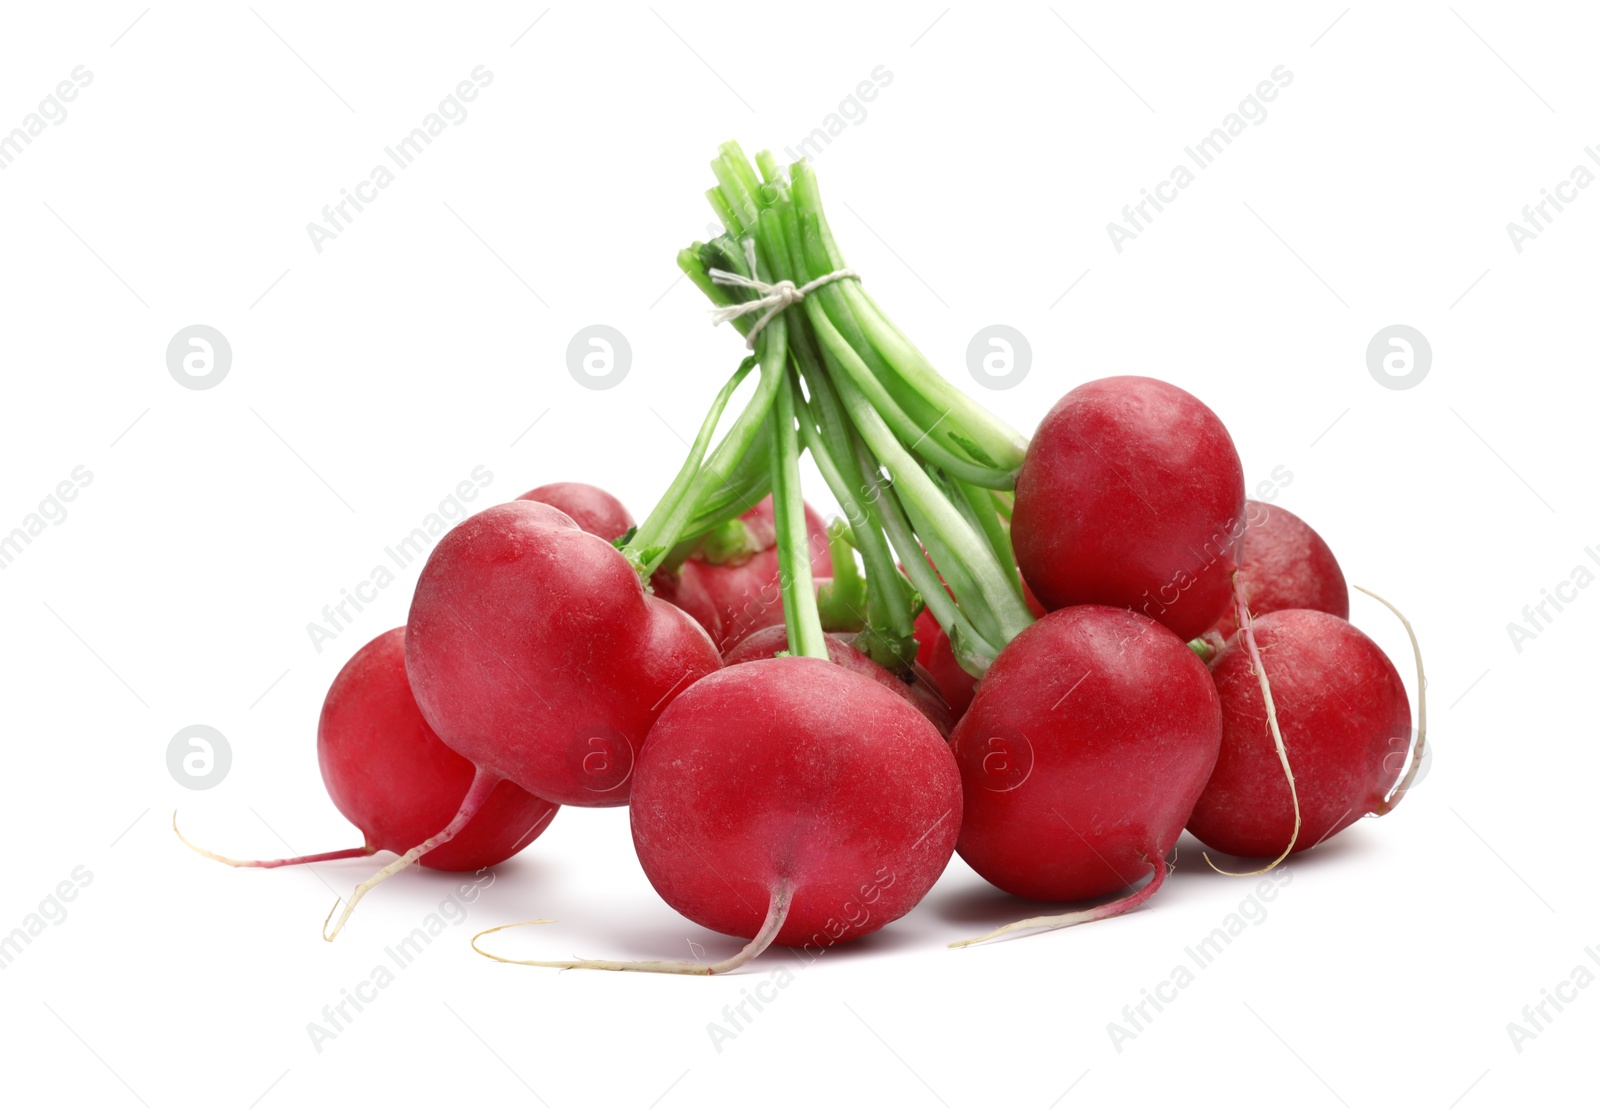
x=736, y=598
x=1131, y=494
x=1283, y=563
x=535, y=652
x=789, y=801
x=1082, y=755
x=1343, y=719
x=397, y=782
x=594, y=509
x=770, y=641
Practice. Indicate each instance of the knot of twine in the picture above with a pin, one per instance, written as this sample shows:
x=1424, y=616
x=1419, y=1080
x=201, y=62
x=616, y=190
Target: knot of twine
x=775, y=297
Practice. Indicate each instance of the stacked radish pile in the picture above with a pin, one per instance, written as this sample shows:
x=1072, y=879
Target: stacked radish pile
x=1049, y=655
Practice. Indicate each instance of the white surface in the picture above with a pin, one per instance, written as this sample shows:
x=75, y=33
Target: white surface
x=406, y=353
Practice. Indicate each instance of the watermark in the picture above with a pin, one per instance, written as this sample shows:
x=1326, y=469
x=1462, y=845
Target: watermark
x=50, y=911
x=1222, y=545
x=1395, y=760
x=599, y=356
x=999, y=357
x=199, y=757
x=1537, y=1015
x=51, y=110
x=852, y=110
x=1399, y=357
x=1537, y=617
x=50, y=512
x=452, y=110
x=199, y=357
x=410, y=548
x=1537, y=216
x=451, y=911
x=854, y=913
x=1007, y=759
x=601, y=757
x=1251, y=911
x=1203, y=153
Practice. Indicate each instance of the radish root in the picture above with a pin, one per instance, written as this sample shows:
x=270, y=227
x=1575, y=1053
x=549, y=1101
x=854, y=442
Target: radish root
x=482, y=783
x=1074, y=918
x=1242, y=603
x=777, y=911
x=1421, y=745
x=314, y=858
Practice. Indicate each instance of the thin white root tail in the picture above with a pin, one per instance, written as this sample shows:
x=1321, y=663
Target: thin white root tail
x=482, y=783
x=1419, y=748
x=1242, y=603
x=1075, y=918
x=777, y=911
x=314, y=858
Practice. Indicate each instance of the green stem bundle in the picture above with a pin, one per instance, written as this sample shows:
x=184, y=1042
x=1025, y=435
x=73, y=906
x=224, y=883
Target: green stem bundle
x=921, y=472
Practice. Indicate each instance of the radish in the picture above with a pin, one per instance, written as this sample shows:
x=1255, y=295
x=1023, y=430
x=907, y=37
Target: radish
x=594, y=509
x=534, y=651
x=397, y=782
x=1131, y=494
x=794, y=783
x=920, y=693
x=739, y=594
x=791, y=802
x=1081, y=757
x=1283, y=563
x=1343, y=725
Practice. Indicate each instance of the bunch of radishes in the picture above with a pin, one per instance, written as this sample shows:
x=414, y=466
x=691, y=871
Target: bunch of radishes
x=1054, y=656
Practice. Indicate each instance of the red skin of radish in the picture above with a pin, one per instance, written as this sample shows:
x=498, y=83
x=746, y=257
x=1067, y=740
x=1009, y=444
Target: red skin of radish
x=1131, y=494
x=594, y=509
x=1083, y=753
x=534, y=651
x=1345, y=722
x=732, y=601
x=1283, y=564
x=938, y=658
x=794, y=769
x=397, y=782
x=924, y=696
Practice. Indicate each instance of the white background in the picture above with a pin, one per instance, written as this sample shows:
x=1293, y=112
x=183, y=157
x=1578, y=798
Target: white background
x=369, y=379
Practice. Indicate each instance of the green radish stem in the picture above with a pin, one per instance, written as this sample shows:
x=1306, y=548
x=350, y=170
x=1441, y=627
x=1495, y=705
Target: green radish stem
x=892, y=604
x=970, y=648
x=868, y=403
x=993, y=603
x=982, y=512
x=842, y=598
x=794, y=547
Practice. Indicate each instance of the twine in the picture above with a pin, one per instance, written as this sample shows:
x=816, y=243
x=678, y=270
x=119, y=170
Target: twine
x=775, y=297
